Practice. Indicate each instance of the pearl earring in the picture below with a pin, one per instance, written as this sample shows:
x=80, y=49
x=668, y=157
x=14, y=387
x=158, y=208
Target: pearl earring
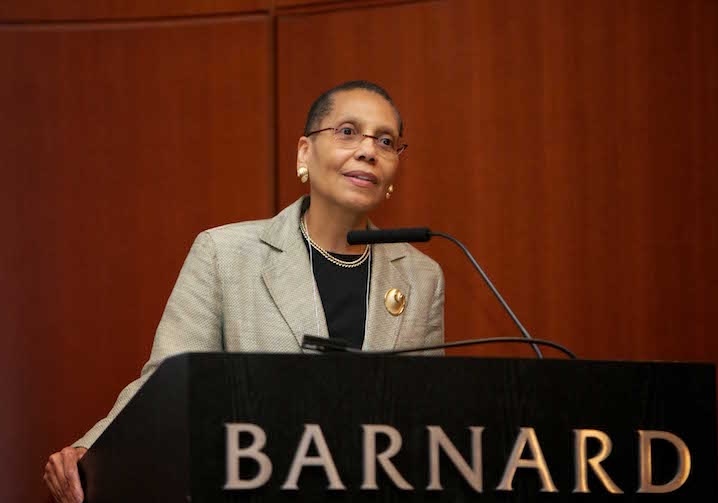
x=303, y=174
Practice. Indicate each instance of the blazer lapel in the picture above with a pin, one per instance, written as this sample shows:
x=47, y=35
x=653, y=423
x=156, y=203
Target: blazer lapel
x=289, y=281
x=382, y=327
x=288, y=278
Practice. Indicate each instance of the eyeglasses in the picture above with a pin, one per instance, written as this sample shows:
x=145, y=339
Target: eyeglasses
x=348, y=137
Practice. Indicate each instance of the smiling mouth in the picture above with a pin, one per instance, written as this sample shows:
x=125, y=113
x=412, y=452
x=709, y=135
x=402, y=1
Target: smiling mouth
x=366, y=177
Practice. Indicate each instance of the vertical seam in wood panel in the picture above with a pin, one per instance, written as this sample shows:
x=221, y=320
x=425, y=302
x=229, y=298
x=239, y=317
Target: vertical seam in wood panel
x=274, y=108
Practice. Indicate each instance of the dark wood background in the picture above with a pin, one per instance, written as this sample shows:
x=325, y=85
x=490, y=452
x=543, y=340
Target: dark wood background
x=571, y=145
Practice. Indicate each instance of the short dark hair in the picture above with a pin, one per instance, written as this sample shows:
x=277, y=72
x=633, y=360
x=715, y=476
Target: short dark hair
x=324, y=103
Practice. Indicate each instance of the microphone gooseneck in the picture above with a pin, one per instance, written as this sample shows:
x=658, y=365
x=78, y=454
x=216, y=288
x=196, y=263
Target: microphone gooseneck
x=421, y=234
x=493, y=289
x=331, y=346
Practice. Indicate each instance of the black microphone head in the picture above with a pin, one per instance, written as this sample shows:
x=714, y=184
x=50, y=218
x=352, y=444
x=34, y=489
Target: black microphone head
x=407, y=235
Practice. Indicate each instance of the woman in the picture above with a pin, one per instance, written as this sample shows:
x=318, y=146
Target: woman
x=263, y=285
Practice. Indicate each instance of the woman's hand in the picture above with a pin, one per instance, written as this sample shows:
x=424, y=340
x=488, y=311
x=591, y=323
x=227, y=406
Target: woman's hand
x=62, y=476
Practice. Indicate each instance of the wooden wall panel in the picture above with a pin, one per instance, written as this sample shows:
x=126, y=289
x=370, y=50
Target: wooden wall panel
x=304, y=6
x=570, y=145
x=93, y=10
x=302, y=3
x=566, y=144
x=120, y=142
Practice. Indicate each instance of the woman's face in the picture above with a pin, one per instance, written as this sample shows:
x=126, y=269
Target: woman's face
x=353, y=178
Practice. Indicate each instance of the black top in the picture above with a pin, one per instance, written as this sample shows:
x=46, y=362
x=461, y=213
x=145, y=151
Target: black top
x=343, y=292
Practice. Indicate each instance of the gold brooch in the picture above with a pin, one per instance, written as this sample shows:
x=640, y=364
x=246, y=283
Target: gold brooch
x=395, y=302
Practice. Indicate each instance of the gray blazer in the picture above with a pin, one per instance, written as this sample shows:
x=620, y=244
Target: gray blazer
x=248, y=287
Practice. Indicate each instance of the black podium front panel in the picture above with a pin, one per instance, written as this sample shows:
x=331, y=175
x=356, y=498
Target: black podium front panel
x=241, y=427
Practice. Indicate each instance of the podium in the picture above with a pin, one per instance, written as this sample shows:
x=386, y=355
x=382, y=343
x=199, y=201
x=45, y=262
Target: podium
x=218, y=427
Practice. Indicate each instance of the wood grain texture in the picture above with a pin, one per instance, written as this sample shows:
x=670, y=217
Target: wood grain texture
x=293, y=7
x=570, y=145
x=32, y=11
x=566, y=144
x=120, y=143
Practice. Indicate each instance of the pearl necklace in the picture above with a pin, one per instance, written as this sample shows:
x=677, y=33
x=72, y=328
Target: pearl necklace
x=331, y=258
x=341, y=263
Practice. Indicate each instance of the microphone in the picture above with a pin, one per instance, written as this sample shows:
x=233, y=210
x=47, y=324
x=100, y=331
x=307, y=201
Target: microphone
x=332, y=344
x=414, y=234
x=407, y=235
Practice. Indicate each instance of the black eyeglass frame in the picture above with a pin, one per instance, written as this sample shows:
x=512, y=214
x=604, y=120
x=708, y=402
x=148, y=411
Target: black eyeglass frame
x=401, y=148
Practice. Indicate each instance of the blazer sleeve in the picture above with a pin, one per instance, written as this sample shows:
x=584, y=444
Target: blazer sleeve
x=192, y=322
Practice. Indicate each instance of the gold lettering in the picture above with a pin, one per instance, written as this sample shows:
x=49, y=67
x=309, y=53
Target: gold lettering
x=581, y=462
x=527, y=436
x=384, y=458
x=254, y=451
x=645, y=462
x=472, y=474
x=313, y=435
